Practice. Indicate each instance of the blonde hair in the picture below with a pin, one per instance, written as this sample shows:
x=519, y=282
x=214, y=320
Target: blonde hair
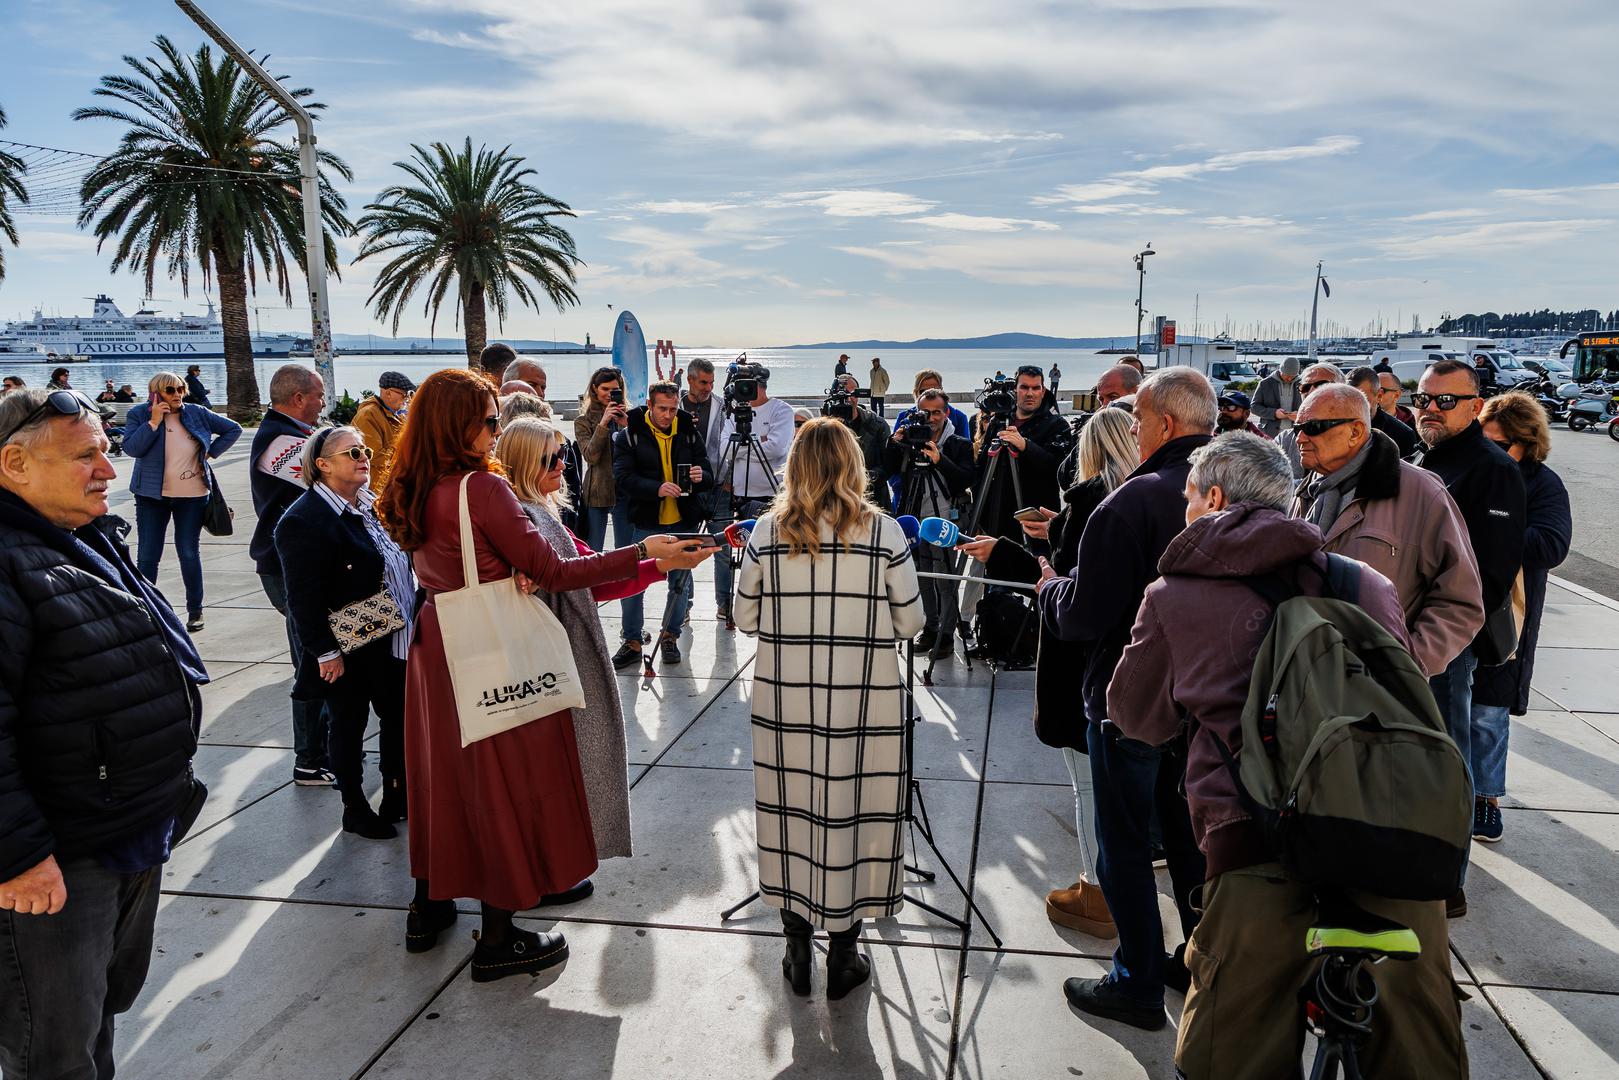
x=1107, y=449
x=521, y=446
x=164, y=378
x=825, y=481
x=1522, y=420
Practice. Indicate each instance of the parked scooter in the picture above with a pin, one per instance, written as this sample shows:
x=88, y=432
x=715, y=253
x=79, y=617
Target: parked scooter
x=1544, y=391
x=1594, y=403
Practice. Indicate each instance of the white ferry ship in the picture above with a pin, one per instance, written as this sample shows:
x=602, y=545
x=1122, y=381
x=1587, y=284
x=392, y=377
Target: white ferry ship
x=144, y=335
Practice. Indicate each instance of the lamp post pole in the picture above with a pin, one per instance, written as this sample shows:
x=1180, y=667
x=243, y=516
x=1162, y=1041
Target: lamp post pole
x=1141, y=289
x=320, y=314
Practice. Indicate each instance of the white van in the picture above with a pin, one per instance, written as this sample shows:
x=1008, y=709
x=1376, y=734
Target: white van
x=1416, y=353
x=1219, y=360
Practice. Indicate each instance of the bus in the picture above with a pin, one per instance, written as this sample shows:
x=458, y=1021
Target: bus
x=1596, y=358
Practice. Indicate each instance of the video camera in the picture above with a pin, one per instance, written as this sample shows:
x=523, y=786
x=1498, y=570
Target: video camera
x=998, y=397
x=742, y=381
x=840, y=401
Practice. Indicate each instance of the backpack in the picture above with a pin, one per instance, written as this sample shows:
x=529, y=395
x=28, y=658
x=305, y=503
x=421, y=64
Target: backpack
x=1006, y=631
x=1346, y=761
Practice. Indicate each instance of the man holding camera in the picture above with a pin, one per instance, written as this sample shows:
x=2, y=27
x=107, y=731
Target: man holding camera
x=870, y=431
x=751, y=484
x=934, y=468
x=1036, y=438
x=661, y=468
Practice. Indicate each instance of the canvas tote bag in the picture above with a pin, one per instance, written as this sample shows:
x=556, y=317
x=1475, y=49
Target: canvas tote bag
x=509, y=658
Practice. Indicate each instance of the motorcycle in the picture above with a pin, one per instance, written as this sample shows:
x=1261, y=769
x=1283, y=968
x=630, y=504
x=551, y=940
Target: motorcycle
x=1544, y=391
x=1596, y=403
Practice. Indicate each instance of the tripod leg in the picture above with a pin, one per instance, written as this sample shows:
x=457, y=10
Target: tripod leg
x=734, y=908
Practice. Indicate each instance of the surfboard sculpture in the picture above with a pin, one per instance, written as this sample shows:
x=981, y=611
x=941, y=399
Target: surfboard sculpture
x=629, y=356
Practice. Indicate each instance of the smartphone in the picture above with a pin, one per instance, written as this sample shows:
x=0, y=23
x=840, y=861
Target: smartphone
x=683, y=480
x=708, y=539
x=1029, y=513
x=616, y=397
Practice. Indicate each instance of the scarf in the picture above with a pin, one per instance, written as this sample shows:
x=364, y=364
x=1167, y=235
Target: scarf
x=1324, y=497
x=668, y=506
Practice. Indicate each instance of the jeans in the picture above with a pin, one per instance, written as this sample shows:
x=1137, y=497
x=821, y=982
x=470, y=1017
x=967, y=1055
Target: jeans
x=1491, y=724
x=384, y=691
x=674, y=608
x=1130, y=779
x=309, y=718
x=152, y=527
x=64, y=977
x=1079, y=771
x=594, y=520
x=1453, y=692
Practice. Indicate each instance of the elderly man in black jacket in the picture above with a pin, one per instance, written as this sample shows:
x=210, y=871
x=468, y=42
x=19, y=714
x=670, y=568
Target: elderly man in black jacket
x=98, y=723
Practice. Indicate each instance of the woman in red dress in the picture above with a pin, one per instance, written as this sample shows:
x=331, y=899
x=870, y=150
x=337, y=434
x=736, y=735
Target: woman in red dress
x=505, y=819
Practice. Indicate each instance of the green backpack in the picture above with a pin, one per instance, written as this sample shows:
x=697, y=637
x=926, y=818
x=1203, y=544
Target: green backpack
x=1345, y=758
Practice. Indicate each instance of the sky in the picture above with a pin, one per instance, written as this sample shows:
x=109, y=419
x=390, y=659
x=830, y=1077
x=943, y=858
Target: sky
x=766, y=172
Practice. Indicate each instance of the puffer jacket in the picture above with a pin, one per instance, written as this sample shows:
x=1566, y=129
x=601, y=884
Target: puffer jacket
x=1192, y=651
x=97, y=710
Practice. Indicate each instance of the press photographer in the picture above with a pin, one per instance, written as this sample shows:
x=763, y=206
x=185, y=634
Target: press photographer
x=661, y=467
x=933, y=467
x=870, y=431
x=1018, y=424
x=754, y=440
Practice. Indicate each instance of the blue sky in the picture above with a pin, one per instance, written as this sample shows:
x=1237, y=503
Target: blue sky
x=757, y=172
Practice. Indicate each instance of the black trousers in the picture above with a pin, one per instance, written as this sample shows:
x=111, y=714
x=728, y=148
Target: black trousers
x=794, y=925
x=380, y=686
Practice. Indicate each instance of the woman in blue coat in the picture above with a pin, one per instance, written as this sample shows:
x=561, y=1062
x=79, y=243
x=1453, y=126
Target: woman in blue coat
x=172, y=443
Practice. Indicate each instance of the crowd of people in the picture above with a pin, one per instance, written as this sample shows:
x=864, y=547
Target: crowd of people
x=1133, y=532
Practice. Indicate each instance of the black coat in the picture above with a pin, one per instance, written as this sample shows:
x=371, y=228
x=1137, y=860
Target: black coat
x=638, y=470
x=1050, y=438
x=1545, y=546
x=954, y=468
x=98, y=706
x=1488, y=488
x=271, y=494
x=1403, y=437
x=1056, y=720
x=328, y=562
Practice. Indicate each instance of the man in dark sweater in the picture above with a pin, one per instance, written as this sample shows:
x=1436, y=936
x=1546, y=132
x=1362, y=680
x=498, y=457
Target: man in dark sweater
x=297, y=396
x=1487, y=487
x=98, y=722
x=1036, y=438
x=1097, y=603
x=1369, y=383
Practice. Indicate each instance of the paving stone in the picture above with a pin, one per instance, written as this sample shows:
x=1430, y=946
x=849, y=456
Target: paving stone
x=1557, y=761
x=684, y=1005
x=1543, y=903
x=242, y=634
x=1579, y=680
x=217, y=588
x=237, y=776
x=707, y=649
x=656, y=711
x=1606, y=723
x=1571, y=1036
x=250, y=705
x=1016, y=754
x=253, y=990
x=1578, y=625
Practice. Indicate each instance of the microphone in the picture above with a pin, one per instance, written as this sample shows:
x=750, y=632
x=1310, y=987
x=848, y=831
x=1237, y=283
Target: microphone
x=910, y=527
x=737, y=532
x=939, y=532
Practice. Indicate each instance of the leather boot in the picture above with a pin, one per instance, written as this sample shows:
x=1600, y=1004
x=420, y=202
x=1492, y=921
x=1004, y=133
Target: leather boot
x=846, y=967
x=795, y=965
x=1081, y=907
x=361, y=820
x=393, y=806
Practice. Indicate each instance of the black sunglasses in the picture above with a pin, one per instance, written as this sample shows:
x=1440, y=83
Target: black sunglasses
x=1314, y=428
x=1446, y=402
x=1305, y=388
x=492, y=423
x=63, y=402
x=171, y=389
x=1031, y=371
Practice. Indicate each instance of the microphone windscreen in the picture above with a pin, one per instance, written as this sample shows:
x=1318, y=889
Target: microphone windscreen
x=938, y=532
x=909, y=526
x=737, y=533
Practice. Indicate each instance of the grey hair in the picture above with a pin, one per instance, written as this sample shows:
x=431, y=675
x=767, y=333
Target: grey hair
x=513, y=406
x=514, y=370
x=289, y=380
x=1347, y=395
x=1127, y=374
x=933, y=393
x=322, y=438
x=1184, y=394
x=1247, y=467
x=1335, y=375
x=699, y=364
x=16, y=406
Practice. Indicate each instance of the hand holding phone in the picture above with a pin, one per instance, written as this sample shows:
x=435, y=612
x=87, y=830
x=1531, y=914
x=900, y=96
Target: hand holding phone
x=1032, y=514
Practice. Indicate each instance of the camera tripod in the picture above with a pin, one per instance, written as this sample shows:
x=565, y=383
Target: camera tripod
x=743, y=444
x=921, y=487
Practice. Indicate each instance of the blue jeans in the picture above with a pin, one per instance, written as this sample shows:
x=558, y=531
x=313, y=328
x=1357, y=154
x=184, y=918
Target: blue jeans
x=1491, y=724
x=594, y=519
x=1131, y=780
x=309, y=719
x=151, y=531
x=1453, y=693
x=674, y=608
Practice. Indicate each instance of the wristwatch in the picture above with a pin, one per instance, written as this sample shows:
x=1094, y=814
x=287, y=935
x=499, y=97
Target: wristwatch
x=640, y=550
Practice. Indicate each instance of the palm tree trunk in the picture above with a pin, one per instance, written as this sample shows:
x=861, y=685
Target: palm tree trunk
x=477, y=325
x=241, y=380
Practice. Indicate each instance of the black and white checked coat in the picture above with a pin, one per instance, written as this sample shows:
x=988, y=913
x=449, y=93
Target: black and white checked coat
x=828, y=729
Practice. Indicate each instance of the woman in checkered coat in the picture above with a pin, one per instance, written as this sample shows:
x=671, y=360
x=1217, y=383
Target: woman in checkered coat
x=828, y=586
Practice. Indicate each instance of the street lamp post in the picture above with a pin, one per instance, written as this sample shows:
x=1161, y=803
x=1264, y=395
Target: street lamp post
x=320, y=314
x=1141, y=288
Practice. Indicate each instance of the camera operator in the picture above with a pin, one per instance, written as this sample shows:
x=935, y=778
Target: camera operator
x=749, y=486
x=870, y=431
x=933, y=467
x=661, y=468
x=1029, y=427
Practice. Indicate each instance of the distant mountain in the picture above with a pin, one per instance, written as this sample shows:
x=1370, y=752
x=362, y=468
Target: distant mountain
x=991, y=341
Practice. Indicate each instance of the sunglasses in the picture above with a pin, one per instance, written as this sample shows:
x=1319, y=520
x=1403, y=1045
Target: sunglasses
x=1504, y=444
x=1031, y=371
x=1315, y=428
x=1305, y=388
x=62, y=402
x=492, y=423
x=354, y=453
x=1446, y=402
x=171, y=389
x=1231, y=408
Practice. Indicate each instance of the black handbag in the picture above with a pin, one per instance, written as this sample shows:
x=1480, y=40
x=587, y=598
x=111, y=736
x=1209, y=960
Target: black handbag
x=1498, y=641
x=217, y=517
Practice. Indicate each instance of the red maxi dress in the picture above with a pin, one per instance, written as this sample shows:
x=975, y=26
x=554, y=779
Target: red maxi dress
x=505, y=820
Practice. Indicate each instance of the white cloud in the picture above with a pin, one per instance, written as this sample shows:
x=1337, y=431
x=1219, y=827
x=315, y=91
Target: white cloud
x=1486, y=239
x=858, y=203
x=1127, y=209
x=1459, y=212
x=1245, y=221
x=681, y=206
x=979, y=223
x=1554, y=194
x=1100, y=190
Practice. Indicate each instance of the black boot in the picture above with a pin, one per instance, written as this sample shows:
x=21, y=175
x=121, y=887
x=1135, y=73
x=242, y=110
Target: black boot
x=846, y=968
x=361, y=820
x=427, y=920
x=393, y=801
x=504, y=950
x=796, y=964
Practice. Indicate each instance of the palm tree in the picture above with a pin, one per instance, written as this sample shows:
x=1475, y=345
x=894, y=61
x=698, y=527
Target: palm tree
x=11, y=170
x=476, y=221
x=199, y=176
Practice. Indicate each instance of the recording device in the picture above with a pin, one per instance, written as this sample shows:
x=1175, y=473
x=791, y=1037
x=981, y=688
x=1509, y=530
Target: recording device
x=737, y=532
x=839, y=402
x=917, y=432
x=683, y=479
x=910, y=527
x=1031, y=514
x=615, y=397
x=997, y=398
x=706, y=539
x=742, y=381
x=939, y=532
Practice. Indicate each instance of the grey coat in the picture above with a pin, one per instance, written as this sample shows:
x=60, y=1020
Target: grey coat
x=1272, y=394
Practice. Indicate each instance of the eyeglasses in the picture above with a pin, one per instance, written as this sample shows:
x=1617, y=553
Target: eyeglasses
x=1231, y=408
x=1446, y=402
x=354, y=453
x=492, y=423
x=63, y=402
x=1315, y=428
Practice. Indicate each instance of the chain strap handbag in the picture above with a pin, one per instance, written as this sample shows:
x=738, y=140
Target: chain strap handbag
x=365, y=621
